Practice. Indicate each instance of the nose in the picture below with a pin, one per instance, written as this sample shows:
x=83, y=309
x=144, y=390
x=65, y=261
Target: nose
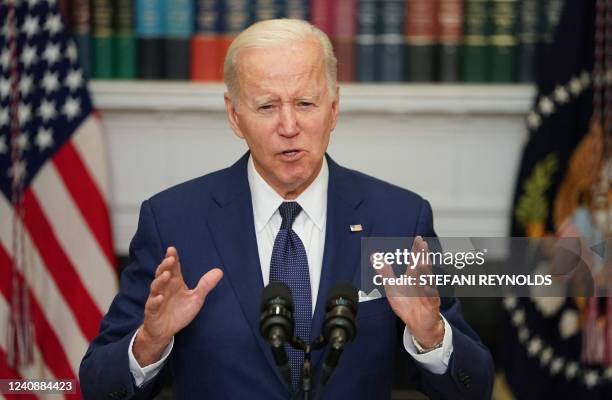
x=288, y=121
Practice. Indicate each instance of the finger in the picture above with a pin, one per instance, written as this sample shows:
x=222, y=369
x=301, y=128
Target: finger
x=153, y=304
x=160, y=283
x=170, y=264
x=208, y=282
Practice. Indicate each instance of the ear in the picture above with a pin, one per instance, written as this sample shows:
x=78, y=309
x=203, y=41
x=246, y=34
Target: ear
x=232, y=115
x=335, y=108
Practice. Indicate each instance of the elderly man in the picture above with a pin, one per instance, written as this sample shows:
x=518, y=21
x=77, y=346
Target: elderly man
x=281, y=213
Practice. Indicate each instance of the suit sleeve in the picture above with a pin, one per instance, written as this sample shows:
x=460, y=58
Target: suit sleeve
x=470, y=371
x=104, y=371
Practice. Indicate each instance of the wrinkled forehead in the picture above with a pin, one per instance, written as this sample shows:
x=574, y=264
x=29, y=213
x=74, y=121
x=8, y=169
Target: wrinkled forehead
x=288, y=67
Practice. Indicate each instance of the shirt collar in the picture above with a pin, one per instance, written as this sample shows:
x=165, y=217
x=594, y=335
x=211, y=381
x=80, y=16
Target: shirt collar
x=266, y=201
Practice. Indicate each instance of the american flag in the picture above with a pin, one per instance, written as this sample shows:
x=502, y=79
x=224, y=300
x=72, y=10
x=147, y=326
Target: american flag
x=57, y=269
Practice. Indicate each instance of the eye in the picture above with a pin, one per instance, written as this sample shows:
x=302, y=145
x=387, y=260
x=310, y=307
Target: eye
x=266, y=107
x=305, y=104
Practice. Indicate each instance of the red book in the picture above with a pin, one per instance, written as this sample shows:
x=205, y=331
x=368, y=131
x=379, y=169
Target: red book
x=321, y=15
x=344, y=29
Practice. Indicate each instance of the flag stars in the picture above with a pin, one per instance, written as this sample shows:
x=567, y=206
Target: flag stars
x=556, y=365
x=74, y=79
x=523, y=334
x=561, y=94
x=28, y=55
x=5, y=58
x=534, y=120
x=47, y=110
x=607, y=374
x=534, y=346
x=52, y=53
x=510, y=302
x=5, y=88
x=518, y=317
x=4, y=116
x=547, y=107
x=575, y=86
x=585, y=79
x=591, y=378
x=54, y=24
x=44, y=139
x=33, y=3
x=3, y=146
x=25, y=113
x=23, y=142
x=25, y=85
x=30, y=26
x=71, y=51
x=71, y=108
x=571, y=370
x=546, y=356
x=50, y=82
x=17, y=172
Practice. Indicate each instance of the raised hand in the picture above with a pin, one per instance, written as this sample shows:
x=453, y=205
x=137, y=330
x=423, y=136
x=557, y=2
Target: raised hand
x=418, y=306
x=170, y=307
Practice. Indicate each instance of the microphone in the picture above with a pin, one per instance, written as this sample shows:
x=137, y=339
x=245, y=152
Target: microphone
x=340, y=327
x=276, y=323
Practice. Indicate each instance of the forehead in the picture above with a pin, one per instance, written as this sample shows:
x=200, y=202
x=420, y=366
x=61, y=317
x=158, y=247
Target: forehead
x=281, y=69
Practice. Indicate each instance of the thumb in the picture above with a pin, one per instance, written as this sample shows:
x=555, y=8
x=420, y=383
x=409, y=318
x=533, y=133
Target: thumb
x=208, y=282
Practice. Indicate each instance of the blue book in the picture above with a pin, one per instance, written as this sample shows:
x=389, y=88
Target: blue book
x=179, y=24
x=150, y=23
x=390, y=41
x=367, y=18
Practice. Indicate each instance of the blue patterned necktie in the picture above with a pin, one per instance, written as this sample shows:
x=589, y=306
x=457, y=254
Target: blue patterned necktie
x=290, y=266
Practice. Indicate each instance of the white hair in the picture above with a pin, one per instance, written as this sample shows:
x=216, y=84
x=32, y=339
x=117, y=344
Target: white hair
x=276, y=32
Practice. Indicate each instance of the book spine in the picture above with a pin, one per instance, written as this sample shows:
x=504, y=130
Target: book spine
x=236, y=17
x=149, y=31
x=367, y=18
x=179, y=27
x=102, y=39
x=268, y=9
x=206, y=57
x=321, y=15
x=125, y=40
x=475, y=41
x=343, y=38
x=527, y=38
x=64, y=8
x=421, y=35
x=450, y=30
x=297, y=9
x=82, y=34
x=390, y=41
x=504, y=42
x=549, y=18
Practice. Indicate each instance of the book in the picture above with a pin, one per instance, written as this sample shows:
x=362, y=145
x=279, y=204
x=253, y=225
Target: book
x=297, y=9
x=527, y=39
x=503, y=41
x=179, y=28
x=321, y=15
x=125, y=40
x=236, y=17
x=206, y=44
x=102, y=39
x=421, y=35
x=82, y=34
x=475, y=49
x=450, y=33
x=390, y=41
x=344, y=29
x=367, y=19
x=149, y=33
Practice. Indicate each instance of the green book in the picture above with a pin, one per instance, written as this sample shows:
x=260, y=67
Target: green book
x=102, y=39
x=504, y=41
x=125, y=40
x=474, y=66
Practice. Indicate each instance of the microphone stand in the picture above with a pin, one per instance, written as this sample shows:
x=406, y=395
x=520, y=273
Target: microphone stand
x=306, y=382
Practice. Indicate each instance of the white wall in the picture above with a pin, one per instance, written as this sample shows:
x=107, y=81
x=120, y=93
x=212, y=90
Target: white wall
x=457, y=146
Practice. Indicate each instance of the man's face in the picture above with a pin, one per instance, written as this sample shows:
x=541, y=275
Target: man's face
x=285, y=113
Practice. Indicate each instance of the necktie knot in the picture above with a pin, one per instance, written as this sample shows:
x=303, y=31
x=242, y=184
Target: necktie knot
x=289, y=210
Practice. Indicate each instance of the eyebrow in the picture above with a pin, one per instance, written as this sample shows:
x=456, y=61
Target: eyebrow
x=270, y=98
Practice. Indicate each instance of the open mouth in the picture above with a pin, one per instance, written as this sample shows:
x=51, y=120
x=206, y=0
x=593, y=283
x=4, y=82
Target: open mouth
x=291, y=155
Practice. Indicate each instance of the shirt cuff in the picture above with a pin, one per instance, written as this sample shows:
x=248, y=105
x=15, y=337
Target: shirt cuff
x=143, y=375
x=435, y=361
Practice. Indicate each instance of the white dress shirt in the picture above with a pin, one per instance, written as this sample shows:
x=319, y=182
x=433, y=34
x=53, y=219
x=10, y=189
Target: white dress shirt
x=309, y=225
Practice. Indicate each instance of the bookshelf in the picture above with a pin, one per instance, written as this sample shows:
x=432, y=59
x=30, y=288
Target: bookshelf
x=457, y=145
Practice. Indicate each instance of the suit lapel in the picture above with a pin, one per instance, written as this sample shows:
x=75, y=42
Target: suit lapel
x=341, y=256
x=232, y=226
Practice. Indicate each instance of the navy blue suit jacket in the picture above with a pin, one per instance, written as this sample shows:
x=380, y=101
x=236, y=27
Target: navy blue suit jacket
x=221, y=354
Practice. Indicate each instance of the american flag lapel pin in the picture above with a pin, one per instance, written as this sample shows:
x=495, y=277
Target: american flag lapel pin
x=356, y=228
